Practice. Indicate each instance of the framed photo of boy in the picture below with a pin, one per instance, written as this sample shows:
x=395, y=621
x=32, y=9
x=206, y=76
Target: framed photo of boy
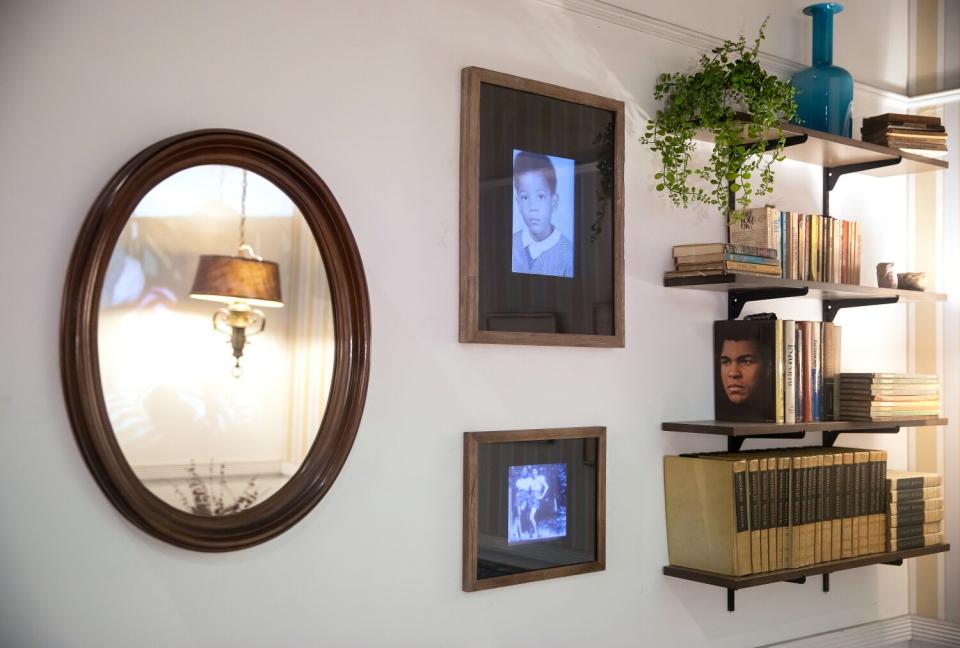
x=534, y=505
x=541, y=213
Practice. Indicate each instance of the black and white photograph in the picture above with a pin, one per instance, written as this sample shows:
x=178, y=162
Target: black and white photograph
x=543, y=214
x=537, y=502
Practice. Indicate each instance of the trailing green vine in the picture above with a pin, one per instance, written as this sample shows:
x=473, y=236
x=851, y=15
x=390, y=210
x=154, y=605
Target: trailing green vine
x=730, y=82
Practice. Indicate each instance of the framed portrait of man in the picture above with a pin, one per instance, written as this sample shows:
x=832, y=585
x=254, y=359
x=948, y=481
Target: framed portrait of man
x=534, y=505
x=541, y=213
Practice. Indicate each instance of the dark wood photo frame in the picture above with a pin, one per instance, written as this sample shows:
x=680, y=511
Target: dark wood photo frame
x=575, y=545
x=577, y=301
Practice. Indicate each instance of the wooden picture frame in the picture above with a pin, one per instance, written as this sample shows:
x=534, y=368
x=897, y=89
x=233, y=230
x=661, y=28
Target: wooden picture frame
x=497, y=550
x=504, y=117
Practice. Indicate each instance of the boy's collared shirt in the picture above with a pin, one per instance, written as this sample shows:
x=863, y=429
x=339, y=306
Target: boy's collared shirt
x=536, y=248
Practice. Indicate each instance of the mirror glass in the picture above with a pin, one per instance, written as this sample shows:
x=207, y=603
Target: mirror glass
x=215, y=365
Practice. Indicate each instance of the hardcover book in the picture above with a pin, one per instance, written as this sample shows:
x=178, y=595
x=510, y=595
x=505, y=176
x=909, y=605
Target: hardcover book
x=744, y=370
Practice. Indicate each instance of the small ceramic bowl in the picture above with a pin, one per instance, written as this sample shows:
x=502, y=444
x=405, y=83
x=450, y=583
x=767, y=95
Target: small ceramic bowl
x=912, y=280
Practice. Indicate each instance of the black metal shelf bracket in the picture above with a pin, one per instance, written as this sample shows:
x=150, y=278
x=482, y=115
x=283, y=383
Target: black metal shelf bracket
x=737, y=299
x=826, y=583
x=731, y=599
x=832, y=306
x=735, y=443
x=798, y=581
x=831, y=175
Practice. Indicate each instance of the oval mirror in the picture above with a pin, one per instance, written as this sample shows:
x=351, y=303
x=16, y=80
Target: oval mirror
x=215, y=340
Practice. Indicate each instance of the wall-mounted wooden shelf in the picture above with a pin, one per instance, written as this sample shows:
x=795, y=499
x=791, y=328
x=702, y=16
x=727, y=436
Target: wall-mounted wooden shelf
x=737, y=429
x=832, y=151
x=799, y=575
x=741, y=288
x=737, y=432
x=820, y=289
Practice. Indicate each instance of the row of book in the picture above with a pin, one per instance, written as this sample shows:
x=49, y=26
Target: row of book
x=885, y=396
x=705, y=259
x=810, y=247
x=779, y=371
x=916, y=510
x=918, y=134
x=765, y=510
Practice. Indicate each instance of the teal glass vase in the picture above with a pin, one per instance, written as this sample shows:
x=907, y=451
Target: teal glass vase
x=824, y=91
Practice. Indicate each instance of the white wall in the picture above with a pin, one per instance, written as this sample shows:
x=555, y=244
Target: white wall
x=368, y=94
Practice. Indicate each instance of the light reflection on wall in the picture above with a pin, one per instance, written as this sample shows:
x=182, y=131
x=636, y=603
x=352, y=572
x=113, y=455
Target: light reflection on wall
x=166, y=373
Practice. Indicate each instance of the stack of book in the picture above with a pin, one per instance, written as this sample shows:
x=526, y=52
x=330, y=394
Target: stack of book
x=705, y=259
x=915, y=510
x=811, y=247
x=765, y=510
x=888, y=396
x=917, y=134
x=779, y=371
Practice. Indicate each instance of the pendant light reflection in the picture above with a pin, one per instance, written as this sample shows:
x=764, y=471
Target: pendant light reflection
x=242, y=282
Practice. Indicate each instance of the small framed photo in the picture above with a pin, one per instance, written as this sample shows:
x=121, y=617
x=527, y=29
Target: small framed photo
x=533, y=505
x=541, y=213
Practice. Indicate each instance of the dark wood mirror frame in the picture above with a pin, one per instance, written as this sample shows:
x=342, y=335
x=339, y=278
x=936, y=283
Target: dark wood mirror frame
x=79, y=359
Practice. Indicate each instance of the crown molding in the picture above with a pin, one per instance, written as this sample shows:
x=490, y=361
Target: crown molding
x=700, y=41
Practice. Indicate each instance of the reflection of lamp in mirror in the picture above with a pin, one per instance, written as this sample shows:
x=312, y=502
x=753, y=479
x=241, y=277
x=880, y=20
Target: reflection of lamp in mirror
x=242, y=282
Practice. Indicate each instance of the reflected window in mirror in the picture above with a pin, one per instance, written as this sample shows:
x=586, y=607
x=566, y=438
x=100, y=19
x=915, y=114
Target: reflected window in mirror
x=201, y=435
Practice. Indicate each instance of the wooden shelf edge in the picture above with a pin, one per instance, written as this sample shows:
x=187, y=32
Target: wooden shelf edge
x=850, y=147
x=742, y=281
x=737, y=429
x=753, y=580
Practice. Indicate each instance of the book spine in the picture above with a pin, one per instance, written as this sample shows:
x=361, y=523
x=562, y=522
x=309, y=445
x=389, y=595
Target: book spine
x=796, y=510
x=811, y=515
x=837, y=531
x=916, y=506
x=783, y=536
x=916, y=542
x=912, y=483
x=933, y=492
x=789, y=371
x=818, y=509
x=814, y=247
x=848, y=500
x=743, y=565
x=874, y=544
x=920, y=517
x=772, y=505
x=771, y=270
x=776, y=234
x=804, y=510
x=926, y=528
x=753, y=468
x=764, y=474
x=798, y=371
x=816, y=373
x=861, y=460
x=783, y=243
x=808, y=354
x=792, y=252
x=778, y=377
x=826, y=552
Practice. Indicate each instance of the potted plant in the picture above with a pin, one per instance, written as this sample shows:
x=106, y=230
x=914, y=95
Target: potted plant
x=740, y=106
